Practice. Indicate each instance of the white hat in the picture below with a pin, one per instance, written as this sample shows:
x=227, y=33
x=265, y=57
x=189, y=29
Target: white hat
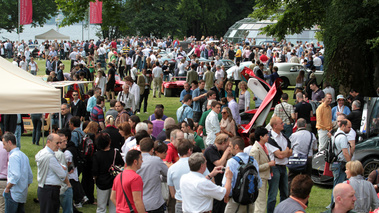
x=340, y=97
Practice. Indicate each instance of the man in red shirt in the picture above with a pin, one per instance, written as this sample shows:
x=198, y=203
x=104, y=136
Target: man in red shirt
x=131, y=185
x=172, y=152
x=114, y=44
x=263, y=58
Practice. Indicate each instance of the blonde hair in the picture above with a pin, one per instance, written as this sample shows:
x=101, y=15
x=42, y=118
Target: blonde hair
x=355, y=168
x=109, y=119
x=242, y=83
x=92, y=127
x=221, y=138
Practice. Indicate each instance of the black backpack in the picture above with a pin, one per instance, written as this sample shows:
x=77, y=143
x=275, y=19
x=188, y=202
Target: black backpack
x=87, y=147
x=245, y=191
x=330, y=156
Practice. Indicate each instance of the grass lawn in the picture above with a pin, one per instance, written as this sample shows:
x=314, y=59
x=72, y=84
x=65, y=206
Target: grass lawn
x=319, y=198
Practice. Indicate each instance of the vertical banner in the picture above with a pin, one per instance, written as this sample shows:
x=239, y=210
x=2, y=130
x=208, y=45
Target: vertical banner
x=96, y=12
x=26, y=12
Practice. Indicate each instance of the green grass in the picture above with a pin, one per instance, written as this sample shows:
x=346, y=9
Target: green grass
x=319, y=197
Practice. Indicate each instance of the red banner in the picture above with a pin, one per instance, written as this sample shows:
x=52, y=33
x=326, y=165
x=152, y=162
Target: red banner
x=96, y=12
x=26, y=12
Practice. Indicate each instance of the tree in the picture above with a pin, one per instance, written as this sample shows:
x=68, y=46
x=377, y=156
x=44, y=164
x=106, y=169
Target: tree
x=43, y=10
x=349, y=30
x=212, y=17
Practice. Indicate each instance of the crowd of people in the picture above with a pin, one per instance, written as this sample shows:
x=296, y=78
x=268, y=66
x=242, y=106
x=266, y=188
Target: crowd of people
x=190, y=163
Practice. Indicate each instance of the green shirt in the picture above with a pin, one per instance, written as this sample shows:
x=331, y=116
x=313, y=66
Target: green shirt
x=199, y=141
x=203, y=117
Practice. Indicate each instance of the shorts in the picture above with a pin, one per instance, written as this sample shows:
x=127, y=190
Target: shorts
x=110, y=87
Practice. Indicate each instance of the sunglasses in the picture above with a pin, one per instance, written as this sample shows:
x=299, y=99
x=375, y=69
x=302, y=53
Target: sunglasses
x=224, y=112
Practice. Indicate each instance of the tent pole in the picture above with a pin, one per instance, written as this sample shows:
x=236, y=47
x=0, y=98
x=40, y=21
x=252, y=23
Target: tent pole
x=19, y=20
x=43, y=129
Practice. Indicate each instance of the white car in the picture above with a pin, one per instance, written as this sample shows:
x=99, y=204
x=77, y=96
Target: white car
x=229, y=71
x=289, y=71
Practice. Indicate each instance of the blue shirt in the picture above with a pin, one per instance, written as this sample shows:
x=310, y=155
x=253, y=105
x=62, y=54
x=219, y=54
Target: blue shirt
x=76, y=136
x=196, y=105
x=335, y=109
x=233, y=166
x=91, y=103
x=20, y=174
x=183, y=112
x=184, y=93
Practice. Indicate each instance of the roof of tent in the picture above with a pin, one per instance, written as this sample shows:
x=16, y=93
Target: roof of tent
x=51, y=35
x=22, y=92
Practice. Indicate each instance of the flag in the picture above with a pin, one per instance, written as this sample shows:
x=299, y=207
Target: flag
x=96, y=12
x=26, y=12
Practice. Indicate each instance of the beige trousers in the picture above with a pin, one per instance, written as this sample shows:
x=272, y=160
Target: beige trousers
x=261, y=202
x=232, y=206
x=157, y=83
x=3, y=184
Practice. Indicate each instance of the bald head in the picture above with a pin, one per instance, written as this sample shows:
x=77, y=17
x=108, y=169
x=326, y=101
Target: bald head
x=344, y=197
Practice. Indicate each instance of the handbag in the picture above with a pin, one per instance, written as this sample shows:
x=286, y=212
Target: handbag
x=291, y=120
x=126, y=197
x=114, y=170
x=298, y=162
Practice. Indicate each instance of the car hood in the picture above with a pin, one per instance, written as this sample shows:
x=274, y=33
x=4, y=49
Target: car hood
x=263, y=110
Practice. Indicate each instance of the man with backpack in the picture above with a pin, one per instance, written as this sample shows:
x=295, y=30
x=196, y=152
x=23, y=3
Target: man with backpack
x=240, y=165
x=77, y=134
x=341, y=150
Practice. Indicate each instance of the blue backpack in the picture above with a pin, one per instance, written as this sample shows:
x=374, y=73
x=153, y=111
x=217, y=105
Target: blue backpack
x=245, y=191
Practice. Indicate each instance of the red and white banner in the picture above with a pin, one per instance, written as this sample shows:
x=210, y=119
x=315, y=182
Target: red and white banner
x=96, y=12
x=26, y=12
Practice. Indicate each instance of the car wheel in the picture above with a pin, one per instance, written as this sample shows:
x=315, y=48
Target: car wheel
x=167, y=92
x=285, y=83
x=370, y=165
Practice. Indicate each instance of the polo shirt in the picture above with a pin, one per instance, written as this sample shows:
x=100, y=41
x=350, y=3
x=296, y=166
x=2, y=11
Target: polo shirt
x=97, y=114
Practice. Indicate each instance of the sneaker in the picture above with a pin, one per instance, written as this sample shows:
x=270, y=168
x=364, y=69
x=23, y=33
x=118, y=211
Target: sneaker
x=146, y=112
x=84, y=200
x=138, y=113
x=79, y=205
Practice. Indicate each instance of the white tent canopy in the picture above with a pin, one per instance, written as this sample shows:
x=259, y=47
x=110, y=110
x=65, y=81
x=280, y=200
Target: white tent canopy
x=22, y=92
x=51, y=35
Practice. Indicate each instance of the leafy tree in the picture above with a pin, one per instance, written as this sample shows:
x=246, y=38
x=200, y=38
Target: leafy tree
x=43, y=10
x=349, y=30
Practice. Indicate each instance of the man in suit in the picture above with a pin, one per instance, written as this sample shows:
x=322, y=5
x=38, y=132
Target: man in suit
x=144, y=85
x=56, y=63
x=66, y=116
x=14, y=123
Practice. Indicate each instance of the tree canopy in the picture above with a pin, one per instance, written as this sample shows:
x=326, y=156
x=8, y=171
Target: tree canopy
x=349, y=30
x=43, y=10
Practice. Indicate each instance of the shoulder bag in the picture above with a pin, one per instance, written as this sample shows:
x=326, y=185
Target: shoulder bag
x=298, y=162
x=114, y=170
x=289, y=117
x=126, y=197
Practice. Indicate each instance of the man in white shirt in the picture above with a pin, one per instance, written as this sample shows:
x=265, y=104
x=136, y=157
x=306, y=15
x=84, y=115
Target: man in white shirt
x=198, y=191
x=237, y=76
x=317, y=62
x=212, y=124
x=23, y=64
x=135, y=90
x=157, y=79
x=279, y=150
x=27, y=54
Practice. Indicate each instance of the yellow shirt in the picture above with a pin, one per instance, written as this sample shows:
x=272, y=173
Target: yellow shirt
x=324, y=117
x=239, y=53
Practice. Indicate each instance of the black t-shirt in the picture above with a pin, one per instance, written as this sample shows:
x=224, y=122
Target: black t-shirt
x=303, y=110
x=102, y=161
x=112, y=79
x=211, y=154
x=231, y=54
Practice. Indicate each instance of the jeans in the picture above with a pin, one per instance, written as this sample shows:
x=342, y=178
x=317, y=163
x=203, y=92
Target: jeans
x=144, y=97
x=338, y=169
x=178, y=207
x=66, y=200
x=237, y=90
x=166, y=77
x=18, y=133
x=287, y=130
x=11, y=205
x=37, y=123
x=279, y=181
